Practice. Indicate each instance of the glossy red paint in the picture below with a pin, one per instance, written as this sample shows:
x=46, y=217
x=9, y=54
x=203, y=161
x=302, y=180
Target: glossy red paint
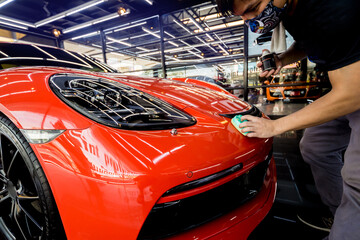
x=105, y=181
x=202, y=84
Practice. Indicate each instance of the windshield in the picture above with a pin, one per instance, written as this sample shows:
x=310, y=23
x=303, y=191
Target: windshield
x=22, y=55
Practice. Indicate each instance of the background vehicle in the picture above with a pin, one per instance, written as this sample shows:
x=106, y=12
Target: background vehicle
x=307, y=91
x=209, y=80
x=92, y=154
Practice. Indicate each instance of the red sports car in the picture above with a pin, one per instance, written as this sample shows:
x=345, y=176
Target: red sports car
x=87, y=153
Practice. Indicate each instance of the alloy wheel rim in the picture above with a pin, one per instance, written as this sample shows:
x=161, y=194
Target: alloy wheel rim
x=21, y=216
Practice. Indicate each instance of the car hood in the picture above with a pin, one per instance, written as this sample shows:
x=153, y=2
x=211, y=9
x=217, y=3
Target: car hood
x=25, y=95
x=185, y=95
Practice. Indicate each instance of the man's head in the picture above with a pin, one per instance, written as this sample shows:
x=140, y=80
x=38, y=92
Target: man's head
x=260, y=15
x=247, y=9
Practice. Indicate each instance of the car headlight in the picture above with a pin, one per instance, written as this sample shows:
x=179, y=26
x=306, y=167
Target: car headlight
x=275, y=90
x=117, y=105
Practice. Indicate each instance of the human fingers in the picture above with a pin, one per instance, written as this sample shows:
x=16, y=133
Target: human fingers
x=263, y=74
x=249, y=118
x=271, y=72
x=277, y=70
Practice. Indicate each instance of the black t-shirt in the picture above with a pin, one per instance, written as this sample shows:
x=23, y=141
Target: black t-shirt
x=327, y=30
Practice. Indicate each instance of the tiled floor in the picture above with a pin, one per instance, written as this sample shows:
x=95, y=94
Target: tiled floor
x=296, y=192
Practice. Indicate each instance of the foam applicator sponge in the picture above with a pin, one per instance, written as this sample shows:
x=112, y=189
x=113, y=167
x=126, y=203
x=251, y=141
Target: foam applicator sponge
x=236, y=121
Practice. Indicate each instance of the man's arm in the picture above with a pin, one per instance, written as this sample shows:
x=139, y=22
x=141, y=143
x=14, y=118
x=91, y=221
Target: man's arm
x=341, y=100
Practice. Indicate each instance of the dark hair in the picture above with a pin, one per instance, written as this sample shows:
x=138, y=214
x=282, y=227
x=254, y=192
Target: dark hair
x=225, y=7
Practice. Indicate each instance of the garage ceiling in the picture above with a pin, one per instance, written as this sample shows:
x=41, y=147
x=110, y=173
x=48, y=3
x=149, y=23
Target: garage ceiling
x=194, y=32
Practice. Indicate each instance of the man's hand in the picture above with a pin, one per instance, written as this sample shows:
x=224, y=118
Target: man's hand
x=278, y=63
x=258, y=127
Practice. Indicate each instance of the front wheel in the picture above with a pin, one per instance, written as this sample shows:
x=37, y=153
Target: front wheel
x=27, y=206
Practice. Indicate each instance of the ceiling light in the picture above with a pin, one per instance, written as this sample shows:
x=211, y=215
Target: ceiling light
x=179, y=49
x=118, y=41
x=69, y=12
x=13, y=20
x=84, y=6
x=87, y=24
x=149, y=2
x=3, y=3
x=207, y=7
x=222, y=26
x=203, y=18
x=225, y=52
x=86, y=35
x=182, y=26
x=104, y=19
x=169, y=34
x=195, y=54
x=129, y=26
x=150, y=32
x=174, y=44
x=56, y=32
x=13, y=25
x=122, y=11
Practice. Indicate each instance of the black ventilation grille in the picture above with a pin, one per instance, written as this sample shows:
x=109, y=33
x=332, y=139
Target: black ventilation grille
x=254, y=111
x=172, y=218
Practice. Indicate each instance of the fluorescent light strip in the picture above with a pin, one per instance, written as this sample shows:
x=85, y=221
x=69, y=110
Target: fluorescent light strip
x=13, y=25
x=86, y=35
x=130, y=26
x=198, y=55
x=150, y=32
x=5, y=2
x=189, y=47
x=178, y=60
x=12, y=20
x=207, y=7
x=119, y=54
x=172, y=43
x=223, y=26
x=201, y=29
x=226, y=52
x=86, y=24
x=206, y=44
x=215, y=19
x=77, y=27
x=105, y=19
x=169, y=34
x=158, y=36
x=203, y=18
x=211, y=38
x=143, y=49
x=69, y=12
x=180, y=24
x=118, y=41
x=85, y=6
x=149, y=2
x=207, y=59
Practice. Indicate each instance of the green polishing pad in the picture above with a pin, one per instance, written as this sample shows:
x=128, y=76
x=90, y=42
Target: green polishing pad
x=236, y=121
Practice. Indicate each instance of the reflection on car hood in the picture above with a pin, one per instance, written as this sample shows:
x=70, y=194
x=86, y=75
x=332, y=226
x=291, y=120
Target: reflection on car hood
x=186, y=95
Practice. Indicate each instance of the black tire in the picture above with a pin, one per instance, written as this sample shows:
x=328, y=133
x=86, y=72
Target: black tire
x=27, y=206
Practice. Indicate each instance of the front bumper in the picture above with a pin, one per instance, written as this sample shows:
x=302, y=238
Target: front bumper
x=104, y=189
x=239, y=223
